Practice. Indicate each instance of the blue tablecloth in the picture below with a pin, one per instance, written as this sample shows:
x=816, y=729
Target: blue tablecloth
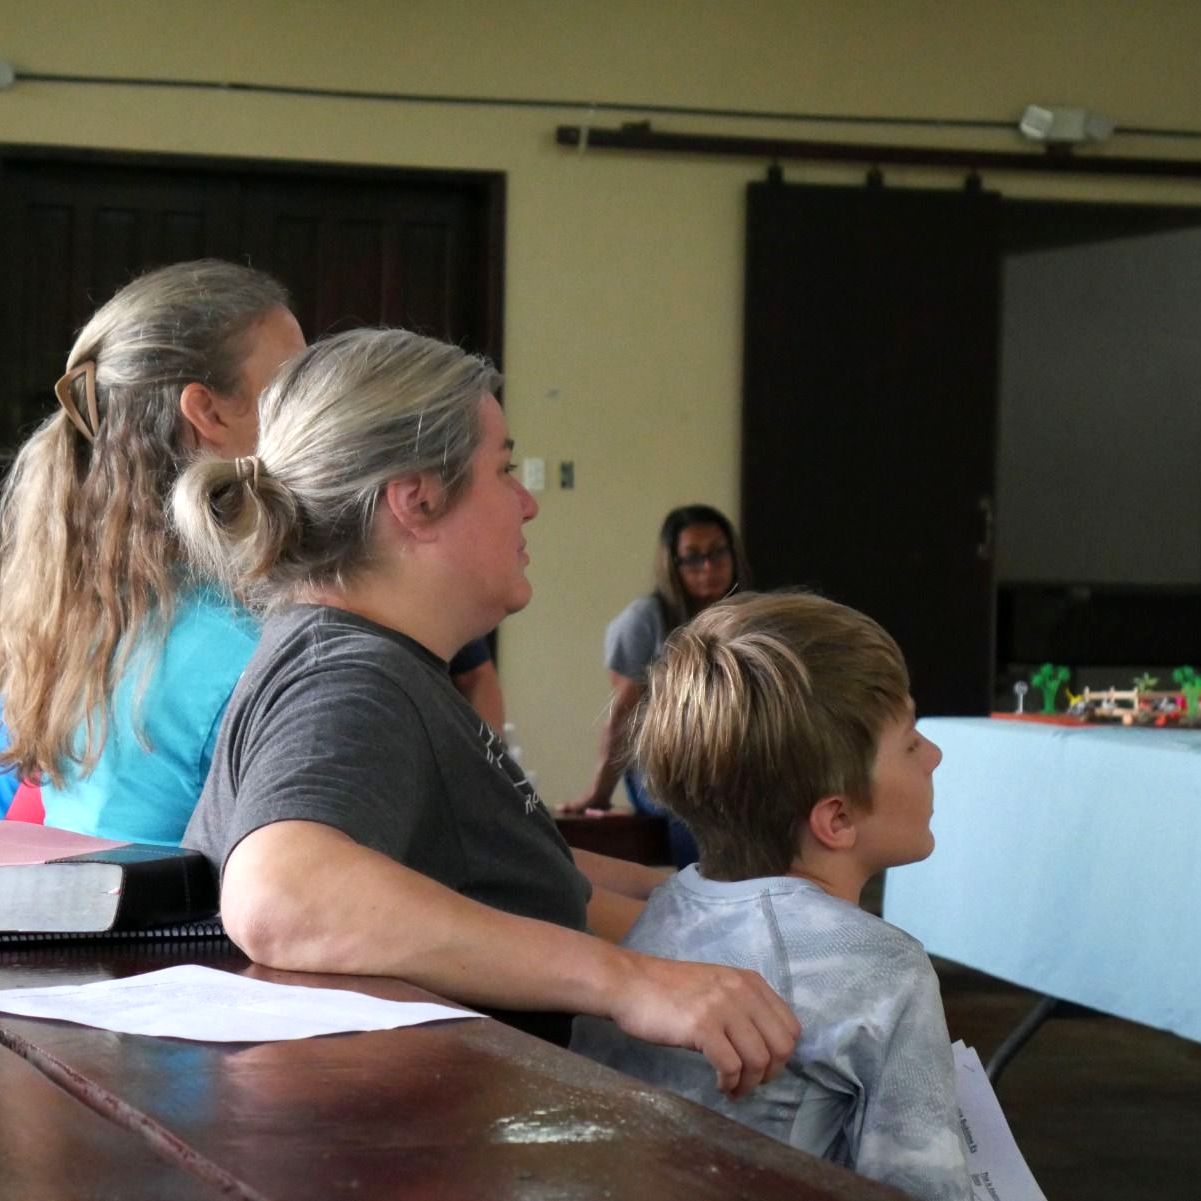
x=1068, y=861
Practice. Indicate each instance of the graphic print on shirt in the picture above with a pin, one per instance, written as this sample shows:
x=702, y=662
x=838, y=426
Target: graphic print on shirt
x=498, y=755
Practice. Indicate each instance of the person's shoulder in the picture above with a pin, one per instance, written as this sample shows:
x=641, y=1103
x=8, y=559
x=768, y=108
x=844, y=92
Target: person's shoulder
x=206, y=614
x=892, y=958
x=812, y=923
x=332, y=641
x=642, y=608
x=206, y=645
x=688, y=912
x=643, y=615
x=859, y=925
x=905, y=953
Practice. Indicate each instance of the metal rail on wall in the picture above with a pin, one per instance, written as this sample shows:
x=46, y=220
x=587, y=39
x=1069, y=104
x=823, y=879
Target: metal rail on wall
x=640, y=137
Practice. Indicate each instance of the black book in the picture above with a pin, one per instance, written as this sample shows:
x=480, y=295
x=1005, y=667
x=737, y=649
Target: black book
x=97, y=886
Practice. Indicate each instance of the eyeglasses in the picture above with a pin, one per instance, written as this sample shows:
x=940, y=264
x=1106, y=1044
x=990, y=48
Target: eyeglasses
x=694, y=562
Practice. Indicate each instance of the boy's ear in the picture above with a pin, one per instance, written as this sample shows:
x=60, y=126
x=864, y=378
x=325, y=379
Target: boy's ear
x=412, y=502
x=832, y=823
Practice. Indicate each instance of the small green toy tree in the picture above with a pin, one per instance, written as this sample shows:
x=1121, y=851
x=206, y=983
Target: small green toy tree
x=1145, y=682
x=1048, y=680
x=1190, y=685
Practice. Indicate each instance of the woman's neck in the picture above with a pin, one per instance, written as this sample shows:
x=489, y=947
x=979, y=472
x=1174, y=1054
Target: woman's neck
x=387, y=604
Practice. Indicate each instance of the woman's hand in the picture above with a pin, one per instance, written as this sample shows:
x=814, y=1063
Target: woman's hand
x=589, y=803
x=286, y=902
x=732, y=1017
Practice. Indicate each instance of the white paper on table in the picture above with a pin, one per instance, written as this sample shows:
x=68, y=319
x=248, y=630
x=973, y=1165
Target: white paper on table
x=208, y=1005
x=999, y=1173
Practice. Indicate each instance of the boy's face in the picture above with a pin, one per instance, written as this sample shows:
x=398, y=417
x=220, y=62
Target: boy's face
x=896, y=830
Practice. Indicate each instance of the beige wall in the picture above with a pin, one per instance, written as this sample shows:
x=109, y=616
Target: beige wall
x=624, y=273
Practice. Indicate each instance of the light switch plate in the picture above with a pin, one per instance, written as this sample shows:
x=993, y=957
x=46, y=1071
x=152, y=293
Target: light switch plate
x=533, y=474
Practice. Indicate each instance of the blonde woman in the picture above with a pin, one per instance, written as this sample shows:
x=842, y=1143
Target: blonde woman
x=114, y=670
x=363, y=818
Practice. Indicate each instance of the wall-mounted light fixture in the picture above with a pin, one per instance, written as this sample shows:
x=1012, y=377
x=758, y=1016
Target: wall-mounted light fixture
x=1060, y=126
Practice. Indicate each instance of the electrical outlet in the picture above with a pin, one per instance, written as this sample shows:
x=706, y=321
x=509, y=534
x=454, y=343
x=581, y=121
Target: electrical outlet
x=533, y=474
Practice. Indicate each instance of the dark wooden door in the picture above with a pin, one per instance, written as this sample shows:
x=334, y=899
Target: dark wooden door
x=354, y=247
x=71, y=233
x=869, y=415
x=354, y=252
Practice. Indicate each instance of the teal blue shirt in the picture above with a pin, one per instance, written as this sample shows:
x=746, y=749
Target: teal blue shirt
x=143, y=789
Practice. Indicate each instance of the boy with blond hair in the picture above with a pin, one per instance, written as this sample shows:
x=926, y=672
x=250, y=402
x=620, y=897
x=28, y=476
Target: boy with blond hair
x=780, y=728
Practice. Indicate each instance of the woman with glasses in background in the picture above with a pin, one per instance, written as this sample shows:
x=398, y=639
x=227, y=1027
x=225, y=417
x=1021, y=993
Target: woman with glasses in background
x=699, y=560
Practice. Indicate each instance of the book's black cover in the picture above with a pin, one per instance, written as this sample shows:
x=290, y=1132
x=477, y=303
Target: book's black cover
x=138, y=887
x=161, y=885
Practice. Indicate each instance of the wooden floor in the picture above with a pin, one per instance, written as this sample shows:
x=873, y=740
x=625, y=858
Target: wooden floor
x=1103, y=1110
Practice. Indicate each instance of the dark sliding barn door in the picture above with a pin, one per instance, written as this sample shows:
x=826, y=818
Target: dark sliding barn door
x=354, y=247
x=869, y=415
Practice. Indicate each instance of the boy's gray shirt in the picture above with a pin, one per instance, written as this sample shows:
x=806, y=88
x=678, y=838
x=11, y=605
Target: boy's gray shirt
x=871, y=1084
x=341, y=721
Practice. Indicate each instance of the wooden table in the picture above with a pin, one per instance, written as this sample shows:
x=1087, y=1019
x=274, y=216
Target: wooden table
x=638, y=837
x=53, y=1147
x=469, y=1110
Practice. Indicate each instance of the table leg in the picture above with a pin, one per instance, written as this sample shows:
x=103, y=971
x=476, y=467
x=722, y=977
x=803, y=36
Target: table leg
x=1021, y=1034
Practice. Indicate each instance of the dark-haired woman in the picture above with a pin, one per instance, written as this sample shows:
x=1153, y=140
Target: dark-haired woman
x=698, y=561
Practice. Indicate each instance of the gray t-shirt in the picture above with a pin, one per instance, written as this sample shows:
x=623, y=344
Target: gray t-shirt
x=634, y=638
x=342, y=721
x=871, y=1084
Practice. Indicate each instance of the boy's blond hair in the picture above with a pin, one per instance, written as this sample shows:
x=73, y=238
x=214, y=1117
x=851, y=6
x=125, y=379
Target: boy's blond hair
x=759, y=707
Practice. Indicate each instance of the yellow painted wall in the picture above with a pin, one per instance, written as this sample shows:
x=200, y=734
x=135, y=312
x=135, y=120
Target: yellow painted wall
x=624, y=273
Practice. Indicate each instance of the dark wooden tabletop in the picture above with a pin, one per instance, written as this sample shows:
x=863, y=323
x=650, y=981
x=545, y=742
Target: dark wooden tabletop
x=52, y=1147
x=638, y=837
x=470, y=1109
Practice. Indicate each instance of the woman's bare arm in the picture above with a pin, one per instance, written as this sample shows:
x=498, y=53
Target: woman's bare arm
x=611, y=757
x=611, y=915
x=636, y=880
x=304, y=897
x=481, y=686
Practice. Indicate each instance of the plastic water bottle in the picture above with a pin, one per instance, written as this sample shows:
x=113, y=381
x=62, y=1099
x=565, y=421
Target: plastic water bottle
x=511, y=744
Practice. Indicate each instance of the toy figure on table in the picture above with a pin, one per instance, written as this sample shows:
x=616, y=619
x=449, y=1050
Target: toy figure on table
x=1142, y=705
x=1190, y=688
x=1139, y=705
x=1049, y=679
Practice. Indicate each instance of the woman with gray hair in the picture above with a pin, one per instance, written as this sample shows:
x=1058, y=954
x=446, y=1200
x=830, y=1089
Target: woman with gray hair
x=114, y=667
x=363, y=818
